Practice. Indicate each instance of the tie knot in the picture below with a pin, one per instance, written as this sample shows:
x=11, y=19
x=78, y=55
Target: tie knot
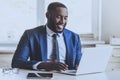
x=54, y=36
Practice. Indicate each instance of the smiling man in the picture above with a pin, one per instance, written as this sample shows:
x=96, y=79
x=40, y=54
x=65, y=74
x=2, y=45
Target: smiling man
x=51, y=46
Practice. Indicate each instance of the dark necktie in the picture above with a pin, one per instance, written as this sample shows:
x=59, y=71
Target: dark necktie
x=55, y=53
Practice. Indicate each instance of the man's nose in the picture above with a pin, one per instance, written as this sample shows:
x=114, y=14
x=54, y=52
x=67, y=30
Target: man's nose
x=62, y=20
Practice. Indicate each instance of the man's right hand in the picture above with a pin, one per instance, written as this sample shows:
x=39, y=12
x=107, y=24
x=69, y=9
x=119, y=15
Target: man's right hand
x=52, y=66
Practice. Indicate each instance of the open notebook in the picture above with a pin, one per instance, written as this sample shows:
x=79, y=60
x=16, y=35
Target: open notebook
x=93, y=60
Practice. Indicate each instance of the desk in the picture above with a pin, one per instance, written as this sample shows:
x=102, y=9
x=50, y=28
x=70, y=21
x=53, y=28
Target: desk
x=90, y=43
x=7, y=48
x=112, y=75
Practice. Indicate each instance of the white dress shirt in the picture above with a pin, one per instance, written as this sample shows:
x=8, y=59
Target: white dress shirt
x=61, y=44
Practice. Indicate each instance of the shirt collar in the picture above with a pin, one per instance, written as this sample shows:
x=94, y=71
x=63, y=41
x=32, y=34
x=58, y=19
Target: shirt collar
x=50, y=32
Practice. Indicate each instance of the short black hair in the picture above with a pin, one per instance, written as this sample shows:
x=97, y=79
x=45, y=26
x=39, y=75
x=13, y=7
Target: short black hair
x=52, y=6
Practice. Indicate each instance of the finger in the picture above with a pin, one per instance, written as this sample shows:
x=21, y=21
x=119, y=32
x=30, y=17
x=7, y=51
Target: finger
x=63, y=66
x=76, y=67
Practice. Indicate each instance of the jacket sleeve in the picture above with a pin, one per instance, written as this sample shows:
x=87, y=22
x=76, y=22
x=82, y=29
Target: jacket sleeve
x=78, y=51
x=22, y=54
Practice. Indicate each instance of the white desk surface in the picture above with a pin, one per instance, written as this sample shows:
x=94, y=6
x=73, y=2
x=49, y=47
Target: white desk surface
x=7, y=49
x=113, y=75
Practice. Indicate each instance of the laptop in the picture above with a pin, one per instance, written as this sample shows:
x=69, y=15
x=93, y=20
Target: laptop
x=93, y=60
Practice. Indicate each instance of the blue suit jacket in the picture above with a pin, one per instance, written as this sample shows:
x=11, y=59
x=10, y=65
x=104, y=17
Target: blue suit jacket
x=33, y=48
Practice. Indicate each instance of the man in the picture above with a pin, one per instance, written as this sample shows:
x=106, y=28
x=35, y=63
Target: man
x=36, y=47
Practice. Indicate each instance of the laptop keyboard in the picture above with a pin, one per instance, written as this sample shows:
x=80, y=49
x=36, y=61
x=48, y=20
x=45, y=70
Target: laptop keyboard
x=70, y=71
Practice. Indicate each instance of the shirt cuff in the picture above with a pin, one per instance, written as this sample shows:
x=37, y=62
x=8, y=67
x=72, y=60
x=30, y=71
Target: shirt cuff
x=35, y=65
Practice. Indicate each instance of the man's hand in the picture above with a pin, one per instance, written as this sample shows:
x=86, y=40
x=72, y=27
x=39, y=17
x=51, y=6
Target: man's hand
x=52, y=66
x=76, y=67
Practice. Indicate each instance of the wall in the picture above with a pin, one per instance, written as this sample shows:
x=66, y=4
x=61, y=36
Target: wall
x=15, y=17
x=110, y=19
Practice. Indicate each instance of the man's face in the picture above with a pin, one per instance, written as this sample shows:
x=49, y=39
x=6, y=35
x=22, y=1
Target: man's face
x=57, y=20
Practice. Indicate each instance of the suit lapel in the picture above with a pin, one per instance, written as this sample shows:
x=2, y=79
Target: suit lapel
x=69, y=53
x=43, y=44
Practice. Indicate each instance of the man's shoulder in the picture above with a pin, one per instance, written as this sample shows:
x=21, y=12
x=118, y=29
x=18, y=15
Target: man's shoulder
x=40, y=30
x=71, y=35
x=67, y=31
x=36, y=29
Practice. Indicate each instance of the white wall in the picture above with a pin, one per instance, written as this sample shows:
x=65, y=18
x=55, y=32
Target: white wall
x=15, y=17
x=110, y=19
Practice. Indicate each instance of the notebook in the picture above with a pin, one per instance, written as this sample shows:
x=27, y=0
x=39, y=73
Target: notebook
x=93, y=60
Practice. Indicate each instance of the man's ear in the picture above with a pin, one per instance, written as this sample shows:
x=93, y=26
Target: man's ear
x=47, y=14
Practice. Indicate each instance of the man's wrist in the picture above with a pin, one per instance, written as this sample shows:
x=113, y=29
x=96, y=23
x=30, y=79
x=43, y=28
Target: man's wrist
x=41, y=66
x=35, y=66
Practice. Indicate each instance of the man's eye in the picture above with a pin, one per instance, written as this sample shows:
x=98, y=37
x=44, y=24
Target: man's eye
x=66, y=18
x=58, y=17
